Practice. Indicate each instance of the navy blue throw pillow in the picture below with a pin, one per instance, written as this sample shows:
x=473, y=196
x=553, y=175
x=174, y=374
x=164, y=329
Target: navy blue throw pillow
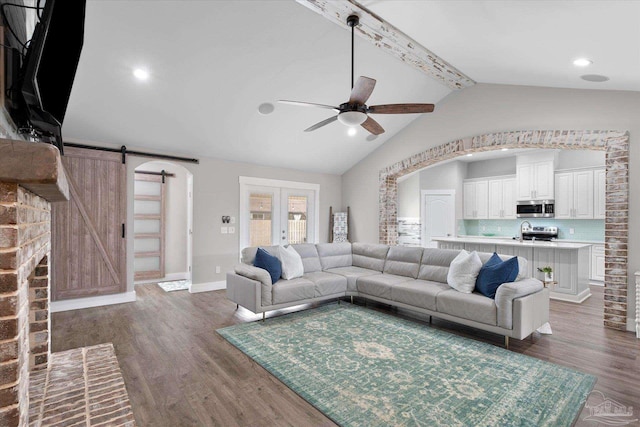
x=268, y=262
x=494, y=273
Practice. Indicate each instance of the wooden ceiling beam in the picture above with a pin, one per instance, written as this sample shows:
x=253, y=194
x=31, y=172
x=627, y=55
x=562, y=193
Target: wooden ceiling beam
x=390, y=39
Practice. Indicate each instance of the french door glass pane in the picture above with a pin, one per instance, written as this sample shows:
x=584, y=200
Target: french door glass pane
x=297, y=219
x=260, y=221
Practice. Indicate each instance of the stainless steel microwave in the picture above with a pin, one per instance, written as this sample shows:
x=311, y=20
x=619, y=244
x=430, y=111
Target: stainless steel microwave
x=535, y=209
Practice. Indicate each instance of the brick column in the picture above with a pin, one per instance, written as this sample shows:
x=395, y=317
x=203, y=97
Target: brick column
x=31, y=176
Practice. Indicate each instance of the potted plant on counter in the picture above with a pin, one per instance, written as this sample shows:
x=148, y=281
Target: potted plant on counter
x=548, y=273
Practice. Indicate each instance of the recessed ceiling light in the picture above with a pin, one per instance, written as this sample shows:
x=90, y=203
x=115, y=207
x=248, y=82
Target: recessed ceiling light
x=582, y=62
x=141, y=74
x=352, y=131
x=266, y=108
x=469, y=155
x=596, y=78
x=505, y=149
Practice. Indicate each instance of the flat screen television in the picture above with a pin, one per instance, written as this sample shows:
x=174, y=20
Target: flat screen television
x=48, y=70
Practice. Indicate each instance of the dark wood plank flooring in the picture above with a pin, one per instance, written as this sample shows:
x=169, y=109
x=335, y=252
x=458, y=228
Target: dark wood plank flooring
x=180, y=372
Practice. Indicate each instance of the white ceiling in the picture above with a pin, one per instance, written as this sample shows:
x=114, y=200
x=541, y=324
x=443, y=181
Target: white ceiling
x=212, y=63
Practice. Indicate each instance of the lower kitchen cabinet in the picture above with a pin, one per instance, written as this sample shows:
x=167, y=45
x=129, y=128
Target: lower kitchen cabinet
x=451, y=245
x=597, y=263
x=570, y=271
x=523, y=252
x=480, y=247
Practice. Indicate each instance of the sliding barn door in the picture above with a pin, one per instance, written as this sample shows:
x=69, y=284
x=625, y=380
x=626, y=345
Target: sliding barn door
x=148, y=229
x=88, y=246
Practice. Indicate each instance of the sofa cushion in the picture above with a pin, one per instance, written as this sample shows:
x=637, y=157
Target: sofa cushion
x=292, y=290
x=327, y=283
x=292, y=266
x=369, y=255
x=463, y=271
x=435, y=264
x=352, y=274
x=403, y=261
x=473, y=306
x=494, y=273
x=418, y=293
x=334, y=255
x=379, y=285
x=309, y=255
x=522, y=262
x=270, y=263
x=249, y=254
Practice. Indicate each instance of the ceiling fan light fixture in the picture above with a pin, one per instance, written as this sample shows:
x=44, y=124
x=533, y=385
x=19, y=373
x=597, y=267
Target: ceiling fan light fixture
x=352, y=118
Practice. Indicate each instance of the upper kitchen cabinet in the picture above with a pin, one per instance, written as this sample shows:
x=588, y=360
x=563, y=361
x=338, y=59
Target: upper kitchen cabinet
x=574, y=194
x=534, y=176
x=475, y=199
x=599, y=193
x=502, y=198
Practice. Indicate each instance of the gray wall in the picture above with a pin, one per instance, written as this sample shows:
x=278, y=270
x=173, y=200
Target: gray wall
x=486, y=108
x=409, y=196
x=449, y=176
x=492, y=167
x=216, y=192
x=580, y=159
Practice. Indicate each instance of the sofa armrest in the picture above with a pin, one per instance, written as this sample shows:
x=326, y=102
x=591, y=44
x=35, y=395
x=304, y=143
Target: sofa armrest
x=254, y=273
x=507, y=292
x=249, y=293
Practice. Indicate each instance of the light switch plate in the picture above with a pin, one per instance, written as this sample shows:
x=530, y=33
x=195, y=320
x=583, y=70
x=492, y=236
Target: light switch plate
x=224, y=230
x=217, y=269
x=233, y=220
x=571, y=230
x=232, y=230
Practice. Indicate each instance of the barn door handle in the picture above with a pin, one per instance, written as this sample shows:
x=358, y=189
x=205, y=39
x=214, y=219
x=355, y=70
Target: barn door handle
x=123, y=231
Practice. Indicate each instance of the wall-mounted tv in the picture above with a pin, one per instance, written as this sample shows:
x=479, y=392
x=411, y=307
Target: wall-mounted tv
x=41, y=91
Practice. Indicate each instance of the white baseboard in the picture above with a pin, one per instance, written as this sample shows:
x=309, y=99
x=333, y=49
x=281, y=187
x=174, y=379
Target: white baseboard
x=167, y=278
x=79, y=303
x=206, y=287
x=578, y=299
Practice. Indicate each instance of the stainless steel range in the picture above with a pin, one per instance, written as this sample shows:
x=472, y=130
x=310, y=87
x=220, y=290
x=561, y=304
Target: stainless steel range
x=539, y=233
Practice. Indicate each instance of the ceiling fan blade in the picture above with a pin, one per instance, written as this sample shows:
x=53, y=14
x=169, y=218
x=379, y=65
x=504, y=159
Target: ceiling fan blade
x=322, y=123
x=400, y=109
x=372, y=126
x=362, y=90
x=307, y=104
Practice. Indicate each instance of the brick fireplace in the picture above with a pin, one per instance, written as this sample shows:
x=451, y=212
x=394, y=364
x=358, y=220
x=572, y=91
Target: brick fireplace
x=31, y=177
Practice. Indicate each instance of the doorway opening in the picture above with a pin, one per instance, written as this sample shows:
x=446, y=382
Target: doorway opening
x=274, y=212
x=162, y=227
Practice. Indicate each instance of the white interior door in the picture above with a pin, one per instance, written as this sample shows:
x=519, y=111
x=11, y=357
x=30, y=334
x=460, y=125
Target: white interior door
x=438, y=215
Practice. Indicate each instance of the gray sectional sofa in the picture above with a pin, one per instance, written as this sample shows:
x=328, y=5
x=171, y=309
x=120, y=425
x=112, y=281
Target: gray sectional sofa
x=407, y=277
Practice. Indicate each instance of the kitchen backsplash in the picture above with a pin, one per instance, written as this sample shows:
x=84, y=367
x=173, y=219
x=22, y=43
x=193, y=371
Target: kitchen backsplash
x=583, y=229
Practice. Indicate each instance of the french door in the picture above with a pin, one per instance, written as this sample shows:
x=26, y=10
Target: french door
x=276, y=215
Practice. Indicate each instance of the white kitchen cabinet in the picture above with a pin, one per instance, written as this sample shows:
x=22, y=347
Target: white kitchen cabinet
x=599, y=193
x=570, y=271
x=502, y=198
x=480, y=247
x=475, y=199
x=597, y=263
x=535, y=180
x=574, y=195
x=451, y=245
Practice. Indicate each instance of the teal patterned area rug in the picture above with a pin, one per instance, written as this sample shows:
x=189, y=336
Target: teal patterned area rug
x=364, y=368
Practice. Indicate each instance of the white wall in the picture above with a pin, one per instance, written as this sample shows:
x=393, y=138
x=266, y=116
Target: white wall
x=176, y=199
x=486, y=108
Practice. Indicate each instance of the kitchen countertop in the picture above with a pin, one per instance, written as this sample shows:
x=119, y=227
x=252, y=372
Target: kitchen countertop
x=505, y=241
x=475, y=236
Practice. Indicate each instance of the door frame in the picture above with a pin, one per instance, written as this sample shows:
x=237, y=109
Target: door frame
x=423, y=213
x=248, y=181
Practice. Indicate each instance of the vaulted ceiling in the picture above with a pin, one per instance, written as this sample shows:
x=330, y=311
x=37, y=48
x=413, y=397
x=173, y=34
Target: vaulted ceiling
x=213, y=63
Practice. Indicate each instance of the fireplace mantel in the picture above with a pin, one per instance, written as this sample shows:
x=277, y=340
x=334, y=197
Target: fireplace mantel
x=34, y=166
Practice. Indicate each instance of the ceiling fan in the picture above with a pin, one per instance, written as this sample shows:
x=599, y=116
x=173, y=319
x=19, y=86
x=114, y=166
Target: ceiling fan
x=355, y=112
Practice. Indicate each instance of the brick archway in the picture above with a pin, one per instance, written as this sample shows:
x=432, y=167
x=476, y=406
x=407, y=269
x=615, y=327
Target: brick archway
x=616, y=145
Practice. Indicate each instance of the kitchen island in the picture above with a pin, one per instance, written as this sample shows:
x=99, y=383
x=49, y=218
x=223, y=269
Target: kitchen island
x=569, y=260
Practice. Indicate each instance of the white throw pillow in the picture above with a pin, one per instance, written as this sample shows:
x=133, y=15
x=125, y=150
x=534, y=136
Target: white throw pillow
x=522, y=268
x=292, y=266
x=463, y=271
